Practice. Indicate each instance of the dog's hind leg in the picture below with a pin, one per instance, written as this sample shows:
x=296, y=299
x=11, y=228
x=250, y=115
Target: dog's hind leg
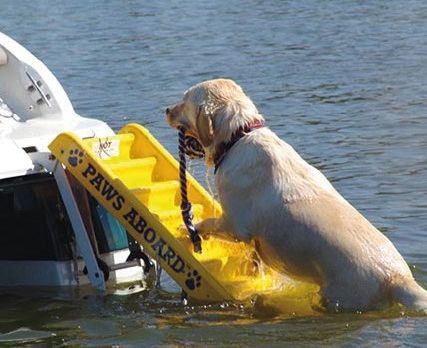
x=410, y=294
x=350, y=294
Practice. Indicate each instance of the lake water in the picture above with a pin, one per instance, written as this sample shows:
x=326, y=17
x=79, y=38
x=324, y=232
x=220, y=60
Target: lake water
x=344, y=82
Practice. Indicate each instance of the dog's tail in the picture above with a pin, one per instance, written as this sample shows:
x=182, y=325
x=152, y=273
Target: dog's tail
x=409, y=293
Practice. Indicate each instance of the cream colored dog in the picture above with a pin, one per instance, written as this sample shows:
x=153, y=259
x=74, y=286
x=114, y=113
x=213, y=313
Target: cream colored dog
x=300, y=224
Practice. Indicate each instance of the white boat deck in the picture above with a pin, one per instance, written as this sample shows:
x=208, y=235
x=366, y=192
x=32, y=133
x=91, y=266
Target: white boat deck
x=34, y=109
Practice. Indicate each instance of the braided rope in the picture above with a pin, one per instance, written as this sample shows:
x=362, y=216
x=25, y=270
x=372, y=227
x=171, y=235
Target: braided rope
x=192, y=148
x=187, y=214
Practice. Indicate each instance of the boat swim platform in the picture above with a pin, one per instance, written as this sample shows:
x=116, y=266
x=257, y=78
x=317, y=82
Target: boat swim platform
x=137, y=180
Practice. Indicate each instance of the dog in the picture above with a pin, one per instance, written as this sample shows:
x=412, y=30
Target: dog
x=299, y=223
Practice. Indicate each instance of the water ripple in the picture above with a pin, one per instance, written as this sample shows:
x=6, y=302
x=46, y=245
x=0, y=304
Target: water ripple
x=344, y=82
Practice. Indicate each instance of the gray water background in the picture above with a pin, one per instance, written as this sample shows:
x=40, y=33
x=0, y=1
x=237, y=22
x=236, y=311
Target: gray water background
x=344, y=82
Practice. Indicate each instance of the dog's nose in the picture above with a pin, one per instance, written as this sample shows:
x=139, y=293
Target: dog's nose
x=167, y=110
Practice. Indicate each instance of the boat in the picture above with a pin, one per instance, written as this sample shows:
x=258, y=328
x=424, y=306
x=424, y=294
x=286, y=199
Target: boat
x=82, y=205
x=53, y=232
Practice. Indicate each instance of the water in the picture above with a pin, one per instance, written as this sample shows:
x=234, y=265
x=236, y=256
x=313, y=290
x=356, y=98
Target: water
x=344, y=82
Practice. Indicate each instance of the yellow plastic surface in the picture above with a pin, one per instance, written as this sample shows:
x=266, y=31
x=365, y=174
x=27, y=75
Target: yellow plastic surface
x=136, y=180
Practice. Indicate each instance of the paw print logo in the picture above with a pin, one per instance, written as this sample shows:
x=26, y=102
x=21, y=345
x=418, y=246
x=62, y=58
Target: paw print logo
x=193, y=280
x=75, y=158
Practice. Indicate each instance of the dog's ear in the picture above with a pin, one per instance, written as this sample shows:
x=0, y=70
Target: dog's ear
x=204, y=126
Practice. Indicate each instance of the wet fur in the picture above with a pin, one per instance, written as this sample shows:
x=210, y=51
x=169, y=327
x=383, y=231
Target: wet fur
x=299, y=222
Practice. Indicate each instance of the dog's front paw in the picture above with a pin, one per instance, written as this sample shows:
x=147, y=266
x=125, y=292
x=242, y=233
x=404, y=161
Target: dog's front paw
x=203, y=232
x=183, y=231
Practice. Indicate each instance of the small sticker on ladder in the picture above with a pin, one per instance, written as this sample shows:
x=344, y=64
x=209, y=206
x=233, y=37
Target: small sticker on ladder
x=106, y=148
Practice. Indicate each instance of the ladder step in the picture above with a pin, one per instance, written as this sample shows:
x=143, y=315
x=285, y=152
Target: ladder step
x=135, y=172
x=158, y=196
x=174, y=217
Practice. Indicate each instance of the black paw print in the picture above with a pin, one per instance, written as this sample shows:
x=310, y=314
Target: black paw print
x=75, y=158
x=193, y=280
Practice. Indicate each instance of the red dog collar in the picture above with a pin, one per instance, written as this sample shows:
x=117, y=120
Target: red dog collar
x=223, y=148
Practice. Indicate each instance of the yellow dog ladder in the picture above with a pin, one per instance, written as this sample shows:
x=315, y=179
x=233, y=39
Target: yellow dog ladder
x=136, y=180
